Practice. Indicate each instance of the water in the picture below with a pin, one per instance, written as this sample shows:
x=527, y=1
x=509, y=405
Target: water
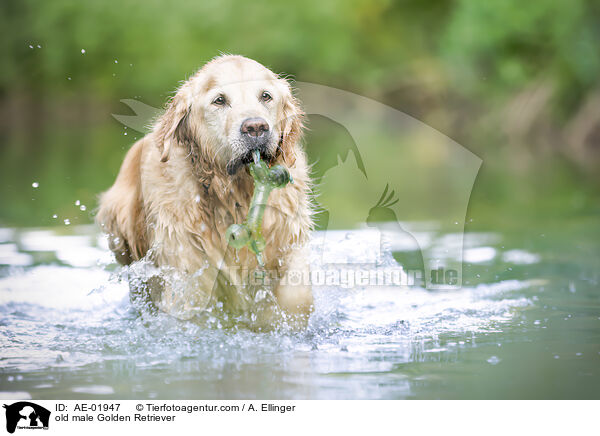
x=525, y=324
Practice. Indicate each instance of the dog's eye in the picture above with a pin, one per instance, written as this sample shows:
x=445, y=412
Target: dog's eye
x=265, y=96
x=219, y=101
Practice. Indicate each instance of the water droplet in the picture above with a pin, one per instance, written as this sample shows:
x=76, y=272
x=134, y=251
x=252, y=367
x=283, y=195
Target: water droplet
x=82, y=207
x=125, y=133
x=35, y=185
x=82, y=51
x=116, y=62
x=30, y=46
x=39, y=46
x=54, y=216
x=494, y=360
x=77, y=203
x=67, y=222
x=68, y=78
x=556, y=356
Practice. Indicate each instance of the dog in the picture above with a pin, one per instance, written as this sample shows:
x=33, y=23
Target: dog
x=182, y=185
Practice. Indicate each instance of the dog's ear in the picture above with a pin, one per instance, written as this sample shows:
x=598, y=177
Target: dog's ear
x=172, y=122
x=291, y=128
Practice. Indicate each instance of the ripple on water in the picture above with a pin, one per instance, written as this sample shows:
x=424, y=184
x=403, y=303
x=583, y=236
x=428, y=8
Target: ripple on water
x=93, y=390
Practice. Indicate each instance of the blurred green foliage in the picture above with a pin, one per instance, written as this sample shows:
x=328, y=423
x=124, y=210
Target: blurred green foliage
x=513, y=81
x=480, y=49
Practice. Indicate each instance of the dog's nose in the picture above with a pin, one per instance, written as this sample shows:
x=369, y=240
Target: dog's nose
x=254, y=126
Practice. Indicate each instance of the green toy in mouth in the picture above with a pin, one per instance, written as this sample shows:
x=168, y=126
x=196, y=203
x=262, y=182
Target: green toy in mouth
x=265, y=180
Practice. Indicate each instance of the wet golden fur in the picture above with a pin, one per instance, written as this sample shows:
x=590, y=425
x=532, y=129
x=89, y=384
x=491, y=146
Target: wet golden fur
x=174, y=197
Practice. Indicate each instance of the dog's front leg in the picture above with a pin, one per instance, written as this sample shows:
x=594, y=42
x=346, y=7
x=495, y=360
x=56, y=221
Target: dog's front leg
x=294, y=293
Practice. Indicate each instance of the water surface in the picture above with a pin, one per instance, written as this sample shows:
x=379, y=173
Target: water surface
x=525, y=324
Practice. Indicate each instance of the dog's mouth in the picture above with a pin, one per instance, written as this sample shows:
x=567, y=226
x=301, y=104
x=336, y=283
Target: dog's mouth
x=234, y=165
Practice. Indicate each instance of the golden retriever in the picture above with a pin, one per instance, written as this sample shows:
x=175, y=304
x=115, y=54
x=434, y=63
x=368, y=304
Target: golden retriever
x=183, y=184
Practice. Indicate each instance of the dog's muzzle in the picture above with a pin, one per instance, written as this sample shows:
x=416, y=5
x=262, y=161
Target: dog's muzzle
x=255, y=134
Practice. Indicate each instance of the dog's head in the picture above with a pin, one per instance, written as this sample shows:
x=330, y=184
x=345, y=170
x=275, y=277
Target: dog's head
x=230, y=108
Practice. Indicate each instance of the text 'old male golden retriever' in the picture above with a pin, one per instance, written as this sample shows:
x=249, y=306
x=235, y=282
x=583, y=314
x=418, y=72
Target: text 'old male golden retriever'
x=186, y=182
